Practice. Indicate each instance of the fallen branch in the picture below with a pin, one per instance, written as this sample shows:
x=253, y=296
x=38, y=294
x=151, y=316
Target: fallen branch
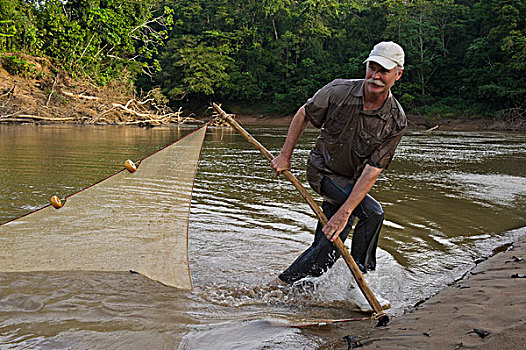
x=145, y=101
x=145, y=115
x=10, y=91
x=52, y=90
x=12, y=120
x=80, y=96
x=118, y=105
x=152, y=121
x=433, y=128
x=34, y=117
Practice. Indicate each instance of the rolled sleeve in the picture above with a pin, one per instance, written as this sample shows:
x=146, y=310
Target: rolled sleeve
x=384, y=154
x=317, y=106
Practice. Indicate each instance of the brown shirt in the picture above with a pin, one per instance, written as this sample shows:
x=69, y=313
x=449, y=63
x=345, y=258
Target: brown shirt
x=350, y=137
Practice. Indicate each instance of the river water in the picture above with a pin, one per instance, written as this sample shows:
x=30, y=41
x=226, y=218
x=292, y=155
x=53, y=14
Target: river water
x=449, y=198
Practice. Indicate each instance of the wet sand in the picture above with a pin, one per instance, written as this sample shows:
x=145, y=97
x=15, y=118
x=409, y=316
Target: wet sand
x=488, y=298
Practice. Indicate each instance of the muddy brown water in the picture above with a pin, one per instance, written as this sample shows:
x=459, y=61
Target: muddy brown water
x=449, y=199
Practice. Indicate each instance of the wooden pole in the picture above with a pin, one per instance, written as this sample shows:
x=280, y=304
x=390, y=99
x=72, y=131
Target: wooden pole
x=355, y=270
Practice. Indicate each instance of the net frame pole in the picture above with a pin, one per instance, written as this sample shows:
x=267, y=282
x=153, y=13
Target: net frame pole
x=381, y=315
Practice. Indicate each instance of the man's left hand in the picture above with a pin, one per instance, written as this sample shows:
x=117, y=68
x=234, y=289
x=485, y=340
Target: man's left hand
x=335, y=225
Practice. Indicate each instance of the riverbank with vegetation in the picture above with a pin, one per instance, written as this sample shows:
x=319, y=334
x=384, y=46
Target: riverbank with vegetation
x=46, y=93
x=50, y=95
x=465, y=59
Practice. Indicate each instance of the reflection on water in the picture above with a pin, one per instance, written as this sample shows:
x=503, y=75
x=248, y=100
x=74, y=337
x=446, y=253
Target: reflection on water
x=449, y=198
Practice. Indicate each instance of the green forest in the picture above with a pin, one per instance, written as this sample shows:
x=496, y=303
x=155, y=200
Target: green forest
x=463, y=57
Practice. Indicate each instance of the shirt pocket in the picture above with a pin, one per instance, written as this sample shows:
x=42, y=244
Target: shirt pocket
x=335, y=124
x=366, y=143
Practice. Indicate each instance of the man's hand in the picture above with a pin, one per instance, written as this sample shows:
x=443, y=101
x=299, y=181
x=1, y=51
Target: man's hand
x=296, y=128
x=335, y=225
x=363, y=185
x=279, y=164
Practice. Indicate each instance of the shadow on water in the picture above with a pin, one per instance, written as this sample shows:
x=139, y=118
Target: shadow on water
x=449, y=198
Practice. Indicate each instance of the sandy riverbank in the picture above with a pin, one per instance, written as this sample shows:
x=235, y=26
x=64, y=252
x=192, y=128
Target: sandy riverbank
x=491, y=298
x=415, y=122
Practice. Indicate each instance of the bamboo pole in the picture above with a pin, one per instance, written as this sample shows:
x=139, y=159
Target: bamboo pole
x=381, y=315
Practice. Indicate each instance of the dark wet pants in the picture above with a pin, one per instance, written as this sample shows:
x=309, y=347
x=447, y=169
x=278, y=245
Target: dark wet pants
x=322, y=254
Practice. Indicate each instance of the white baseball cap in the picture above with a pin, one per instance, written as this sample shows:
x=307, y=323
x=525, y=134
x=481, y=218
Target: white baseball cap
x=387, y=54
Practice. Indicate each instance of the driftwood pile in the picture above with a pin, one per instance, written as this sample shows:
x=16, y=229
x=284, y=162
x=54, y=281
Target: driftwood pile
x=51, y=97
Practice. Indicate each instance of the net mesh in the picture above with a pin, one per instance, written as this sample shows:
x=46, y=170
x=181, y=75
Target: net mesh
x=129, y=221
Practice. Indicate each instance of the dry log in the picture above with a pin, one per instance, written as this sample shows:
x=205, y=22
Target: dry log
x=34, y=117
x=86, y=97
x=433, y=128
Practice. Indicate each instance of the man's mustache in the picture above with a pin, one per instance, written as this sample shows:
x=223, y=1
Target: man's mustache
x=375, y=82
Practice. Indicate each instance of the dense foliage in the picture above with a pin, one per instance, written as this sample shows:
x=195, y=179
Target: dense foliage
x=462, y=56
x=101, y=39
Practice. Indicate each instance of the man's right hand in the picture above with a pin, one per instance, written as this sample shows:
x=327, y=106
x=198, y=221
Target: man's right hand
x=280, y=164
x=296, y=128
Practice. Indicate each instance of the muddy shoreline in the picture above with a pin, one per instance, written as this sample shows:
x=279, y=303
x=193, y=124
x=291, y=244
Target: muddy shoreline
x=415, y=122
x=483, y=310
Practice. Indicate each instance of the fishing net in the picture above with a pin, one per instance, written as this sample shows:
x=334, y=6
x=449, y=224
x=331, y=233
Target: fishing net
x=129, y=221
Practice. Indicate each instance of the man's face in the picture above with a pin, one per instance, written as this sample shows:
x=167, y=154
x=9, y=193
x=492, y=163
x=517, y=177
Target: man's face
x=383, y=78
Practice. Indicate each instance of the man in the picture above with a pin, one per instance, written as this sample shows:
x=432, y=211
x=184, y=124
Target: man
x=361, y=125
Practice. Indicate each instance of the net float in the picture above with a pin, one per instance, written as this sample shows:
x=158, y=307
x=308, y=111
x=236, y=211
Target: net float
x=130, y=166
x=56, y=202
